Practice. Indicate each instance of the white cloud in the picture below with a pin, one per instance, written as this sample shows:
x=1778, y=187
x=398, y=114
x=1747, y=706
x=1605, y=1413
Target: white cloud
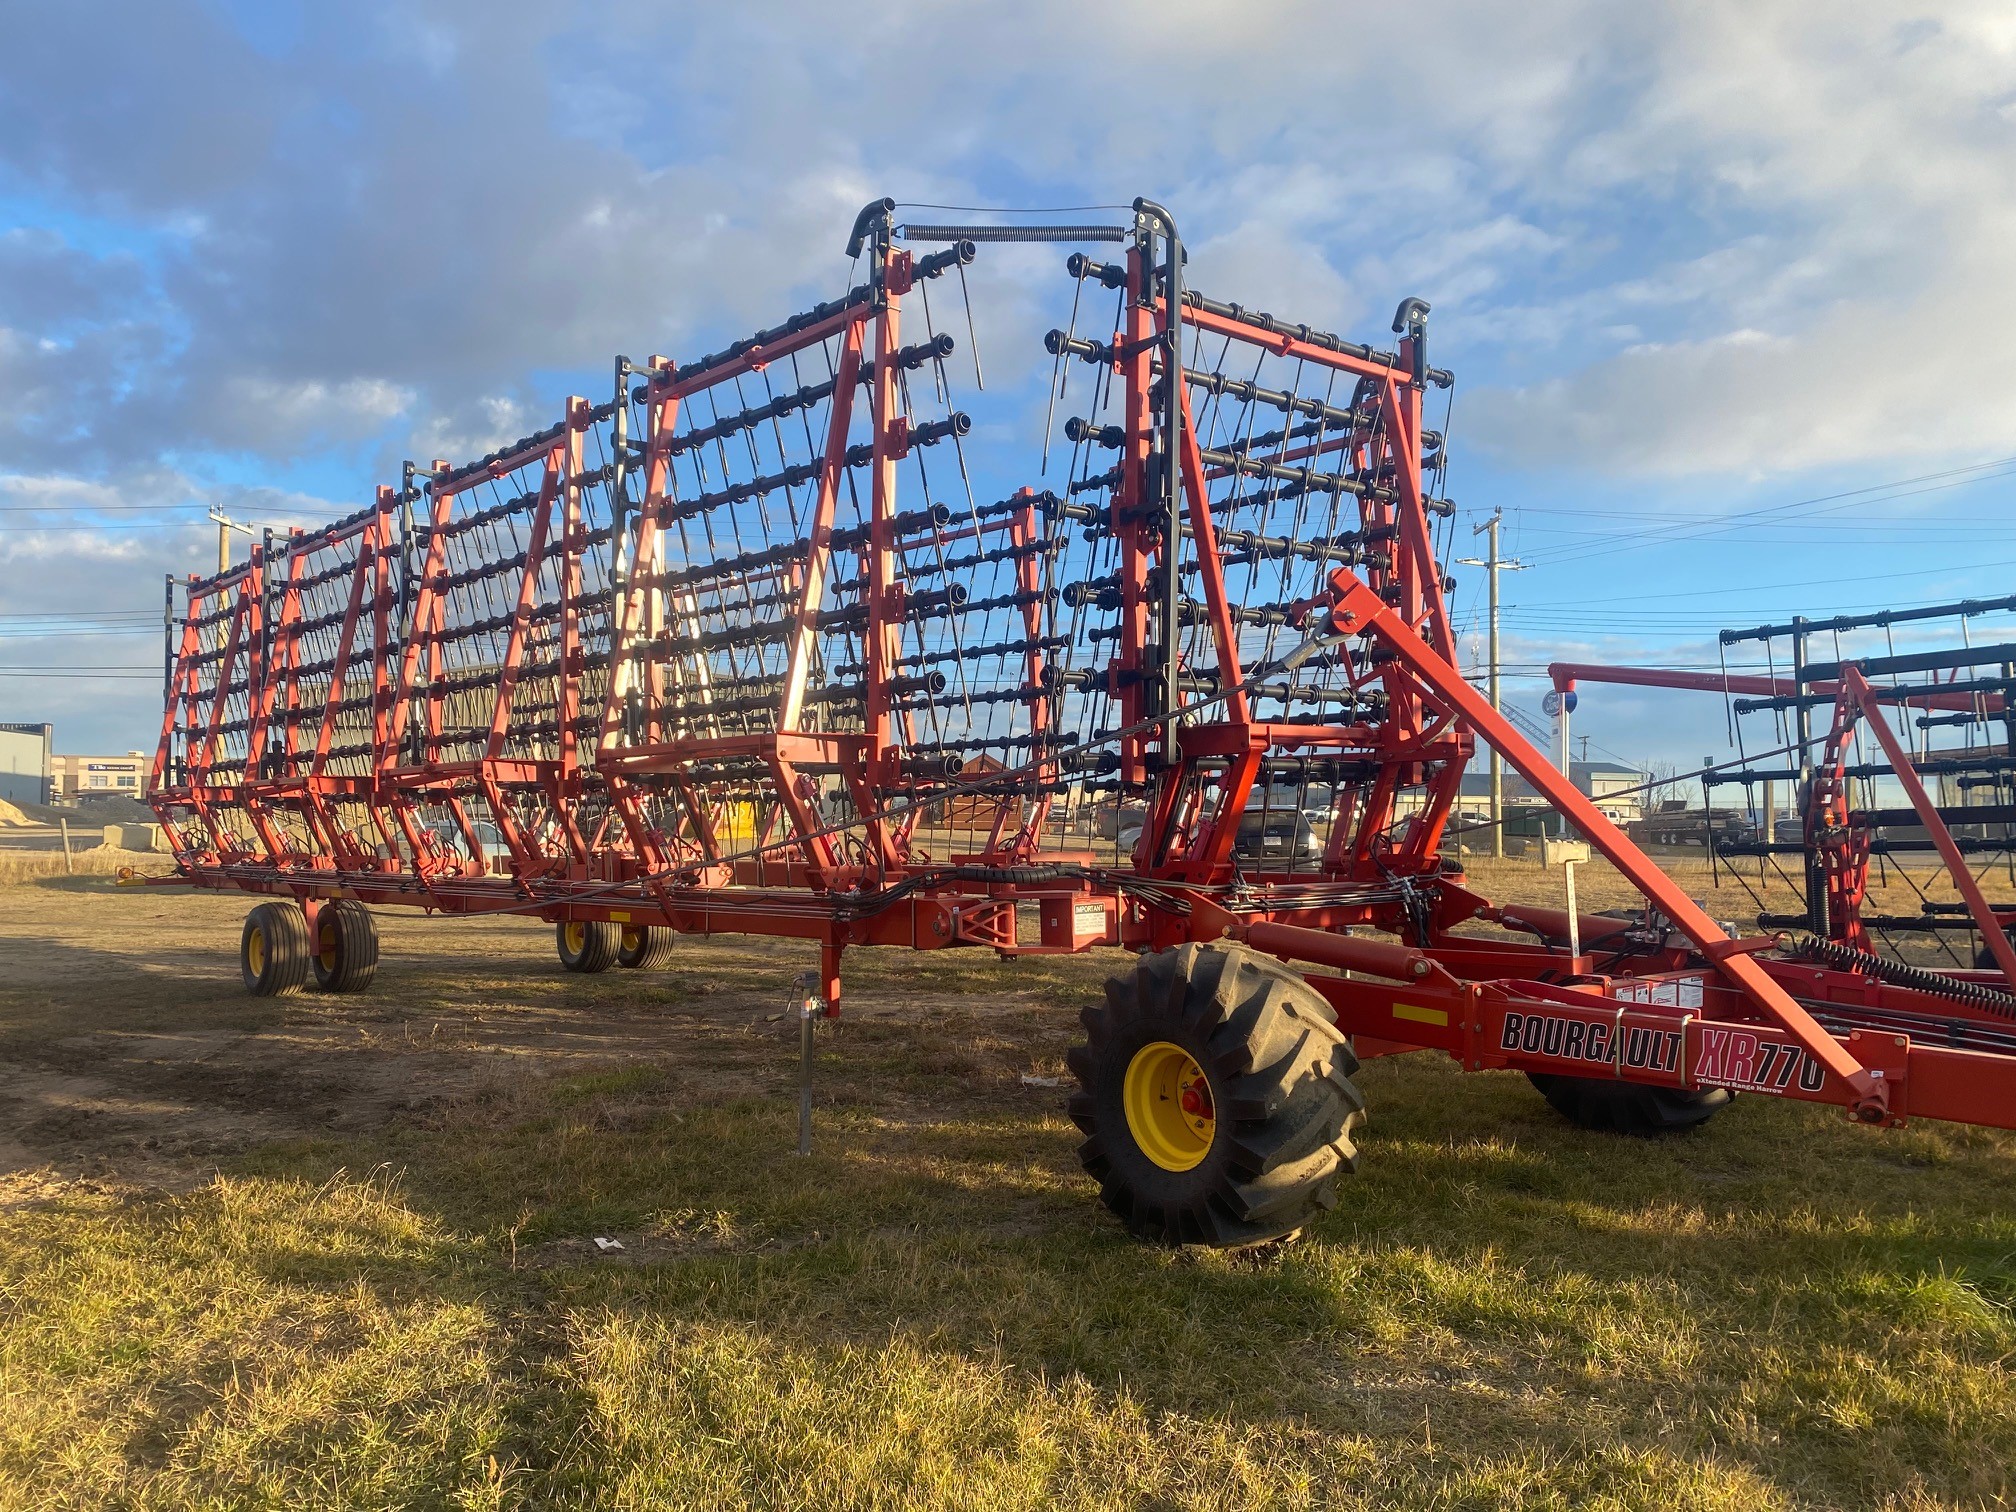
x=1872, y=320
x=1560, y=180
x=475, y=428
x=280, y=416
x=1255, y=266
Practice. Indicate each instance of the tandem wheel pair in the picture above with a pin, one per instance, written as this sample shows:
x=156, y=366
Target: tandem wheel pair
x=596, y=945
x=280, y=949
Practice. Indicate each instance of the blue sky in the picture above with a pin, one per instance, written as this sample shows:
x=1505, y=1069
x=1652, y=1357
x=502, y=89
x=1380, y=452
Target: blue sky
x=1724, y=285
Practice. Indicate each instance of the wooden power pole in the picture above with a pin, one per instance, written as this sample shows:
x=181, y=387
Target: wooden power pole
x=1493, y=564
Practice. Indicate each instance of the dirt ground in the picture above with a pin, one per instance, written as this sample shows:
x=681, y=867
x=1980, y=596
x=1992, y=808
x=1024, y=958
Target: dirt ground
x=129, y=1052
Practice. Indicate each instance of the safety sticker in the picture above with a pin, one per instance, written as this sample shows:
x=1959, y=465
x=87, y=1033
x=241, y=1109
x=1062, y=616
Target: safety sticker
x=1664, y=992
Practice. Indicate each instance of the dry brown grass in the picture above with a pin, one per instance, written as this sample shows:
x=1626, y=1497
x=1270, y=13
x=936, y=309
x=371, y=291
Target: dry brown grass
x=18, y=867
x=1736, y=894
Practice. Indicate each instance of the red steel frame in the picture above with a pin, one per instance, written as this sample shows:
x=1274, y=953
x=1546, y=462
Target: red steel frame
x=613, y=808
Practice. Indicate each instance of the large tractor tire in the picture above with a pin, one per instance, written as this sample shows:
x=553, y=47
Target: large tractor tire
x=1216, y=1099
x=346, y=946
x=644, y=947
x=1984, y=958
x=587, y=945
x=273, y=949
x=1620, y=1107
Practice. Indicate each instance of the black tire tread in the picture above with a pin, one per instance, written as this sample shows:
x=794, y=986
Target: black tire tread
x=598, y=950
x=288, y=951
x=1281, y=1071
x=653, y=953
x=1984, y=958
x=1620, y=1107
x=356, y=947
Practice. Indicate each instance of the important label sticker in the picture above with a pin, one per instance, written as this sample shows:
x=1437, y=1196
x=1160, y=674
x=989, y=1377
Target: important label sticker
x=1665, y=992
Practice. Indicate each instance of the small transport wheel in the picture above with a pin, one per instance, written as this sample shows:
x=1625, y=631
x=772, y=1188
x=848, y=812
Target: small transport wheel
x=644, y=947
x=346, y=946
x=273, y=950
x=587, y=946
x=1622, y=1107
x=1984, y=958
x=1216, y=1099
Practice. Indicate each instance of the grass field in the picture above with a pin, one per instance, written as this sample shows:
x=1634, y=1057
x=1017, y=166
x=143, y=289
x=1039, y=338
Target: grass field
x=312, y=1252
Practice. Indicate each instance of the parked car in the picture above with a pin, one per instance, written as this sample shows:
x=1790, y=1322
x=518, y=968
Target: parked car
x=1266, y=833
x=1273, y=833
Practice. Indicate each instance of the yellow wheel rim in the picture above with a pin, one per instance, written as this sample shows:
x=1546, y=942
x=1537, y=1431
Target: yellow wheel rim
x=577, y=938
x=1169, y=1107
x=326, y=938
x=633, y=939
x=255, y=951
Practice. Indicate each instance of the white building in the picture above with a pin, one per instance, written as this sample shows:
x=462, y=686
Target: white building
x=25, y=762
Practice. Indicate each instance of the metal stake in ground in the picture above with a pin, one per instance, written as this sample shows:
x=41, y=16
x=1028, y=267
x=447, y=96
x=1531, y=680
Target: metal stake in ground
x=809, y=1009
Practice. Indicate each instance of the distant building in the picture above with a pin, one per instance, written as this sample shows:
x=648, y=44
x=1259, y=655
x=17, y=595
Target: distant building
x=25, y=762
x=1610, y=787
x=1615, y=789
x=79, y=779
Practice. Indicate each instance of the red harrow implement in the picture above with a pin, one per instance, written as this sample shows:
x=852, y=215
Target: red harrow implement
x=742, y=650
x=1846, y=731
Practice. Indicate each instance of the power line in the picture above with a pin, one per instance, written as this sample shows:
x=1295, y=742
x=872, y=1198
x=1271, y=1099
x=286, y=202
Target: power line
x=1779, y=588
x=75, y=528
x=91, y=508
x=66, y=632
x=1774, y=512
x=74, y=615
x=153, y=676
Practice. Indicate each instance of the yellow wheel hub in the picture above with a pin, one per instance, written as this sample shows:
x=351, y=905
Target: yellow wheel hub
x=1169, y=1108
x=255, y=951
x=633, y=939
x=326, y=939
x=577, y=938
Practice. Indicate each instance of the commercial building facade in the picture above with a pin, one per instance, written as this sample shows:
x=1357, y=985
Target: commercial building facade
x=79, y=779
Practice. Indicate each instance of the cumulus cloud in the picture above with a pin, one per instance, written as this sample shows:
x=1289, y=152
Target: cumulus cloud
x=1629, y=192
x=1862, y=314
x=1725, y=239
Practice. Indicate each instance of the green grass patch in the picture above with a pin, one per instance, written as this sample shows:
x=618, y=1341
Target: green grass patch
x=931, y=1312
x=619, y=1081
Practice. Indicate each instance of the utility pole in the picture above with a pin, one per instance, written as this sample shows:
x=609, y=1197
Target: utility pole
x=225, y=525
x=1493, y=565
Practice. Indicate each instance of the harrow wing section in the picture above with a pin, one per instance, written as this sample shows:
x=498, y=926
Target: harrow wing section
x=1299, y=454
x=688, y=637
